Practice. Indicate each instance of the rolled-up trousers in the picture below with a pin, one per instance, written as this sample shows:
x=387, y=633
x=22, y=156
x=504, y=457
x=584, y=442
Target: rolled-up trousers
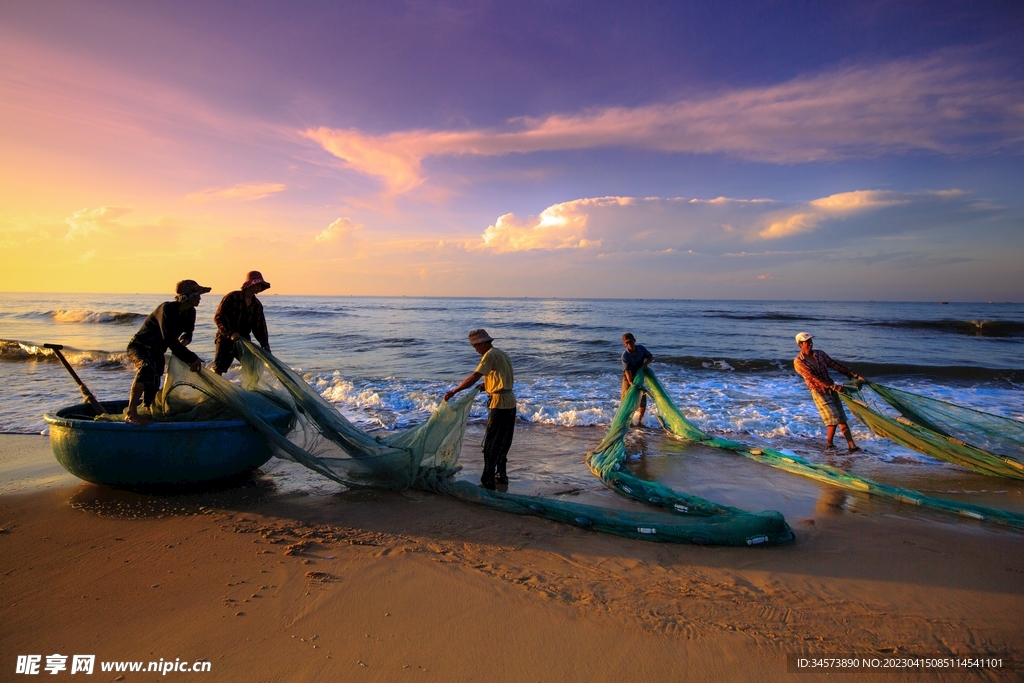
x=501, y=425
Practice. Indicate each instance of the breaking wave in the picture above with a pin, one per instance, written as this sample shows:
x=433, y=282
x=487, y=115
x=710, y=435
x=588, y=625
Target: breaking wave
x=870, y=370
x=973, y=328
x=86, y=316
x=30, y=352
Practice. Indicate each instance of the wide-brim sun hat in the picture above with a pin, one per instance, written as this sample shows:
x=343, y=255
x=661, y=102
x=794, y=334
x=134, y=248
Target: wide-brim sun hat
x=479, y=337
x=804, y=336
x=190, y=288
x=253, y=278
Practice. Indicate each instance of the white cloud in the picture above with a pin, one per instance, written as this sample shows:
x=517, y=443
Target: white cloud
x=561, y=226
x=718, y=226
x=942, y=104
x=87, y=222
x=338, y=231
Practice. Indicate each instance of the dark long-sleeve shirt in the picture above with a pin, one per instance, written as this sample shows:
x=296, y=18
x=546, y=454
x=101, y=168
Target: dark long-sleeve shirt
x=632, y=362
x=814, y=367
x=168, y=327
x=234, y=316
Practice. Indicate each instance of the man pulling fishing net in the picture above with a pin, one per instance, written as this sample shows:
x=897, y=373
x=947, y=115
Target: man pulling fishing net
x=635, y=358
x=496, y=370
x=169, y=326
x=240, y=314
x=813, y=367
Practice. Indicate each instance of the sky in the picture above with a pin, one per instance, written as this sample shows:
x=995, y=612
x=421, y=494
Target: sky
x=695, y=150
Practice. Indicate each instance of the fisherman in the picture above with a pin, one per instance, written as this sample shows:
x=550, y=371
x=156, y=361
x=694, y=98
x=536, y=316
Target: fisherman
x=496, y=369
x=169, y=326
x=813, y=367
x=634, y=359
x=240, y=314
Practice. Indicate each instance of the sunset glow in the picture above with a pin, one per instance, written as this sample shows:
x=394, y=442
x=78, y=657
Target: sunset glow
x=456, y=149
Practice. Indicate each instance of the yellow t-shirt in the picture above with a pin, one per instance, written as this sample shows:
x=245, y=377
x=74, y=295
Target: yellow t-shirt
x=496, y=367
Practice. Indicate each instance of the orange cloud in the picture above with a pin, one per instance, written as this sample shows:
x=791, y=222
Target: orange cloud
x=856, y=112
x=833, y=206
x=245, y=191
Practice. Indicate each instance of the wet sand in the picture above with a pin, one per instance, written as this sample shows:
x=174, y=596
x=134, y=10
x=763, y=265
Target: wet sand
x=271, y=583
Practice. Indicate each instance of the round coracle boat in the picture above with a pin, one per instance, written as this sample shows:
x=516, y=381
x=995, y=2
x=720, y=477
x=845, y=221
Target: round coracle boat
x=160, y=455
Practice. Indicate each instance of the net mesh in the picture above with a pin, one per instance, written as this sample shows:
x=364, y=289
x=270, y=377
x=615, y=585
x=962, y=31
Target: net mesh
x=606, y=456
x=980, y=441
x=426, y=457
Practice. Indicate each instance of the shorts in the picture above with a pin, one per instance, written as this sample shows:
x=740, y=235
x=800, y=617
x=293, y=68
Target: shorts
x=625, y=388
x=830, y=407
x=226, y=353
x=149, y=369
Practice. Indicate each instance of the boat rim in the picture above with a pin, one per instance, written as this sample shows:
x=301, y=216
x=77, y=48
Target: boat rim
x=56, y=419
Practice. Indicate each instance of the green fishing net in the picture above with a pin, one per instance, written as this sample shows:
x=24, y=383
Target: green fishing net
x=321, y=438
x=426, y=457
x=611, y=453
x=983, y=442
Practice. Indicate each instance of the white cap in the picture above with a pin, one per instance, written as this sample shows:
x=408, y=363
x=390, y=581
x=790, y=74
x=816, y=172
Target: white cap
x=804, y=336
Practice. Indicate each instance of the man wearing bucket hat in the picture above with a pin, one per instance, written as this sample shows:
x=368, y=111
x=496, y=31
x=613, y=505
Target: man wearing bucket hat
x=496, y=369
x=813, y=367
x=169, y=326
x=240, y=314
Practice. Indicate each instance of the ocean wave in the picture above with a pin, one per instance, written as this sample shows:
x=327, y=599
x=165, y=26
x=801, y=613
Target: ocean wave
x=399, y=342
x=339, y=337
x=304, y=312
x=973, y=328
x=745, y=365
x=869, y=370
x=758, y=316
x=421, y=308
x=19, y=351
x=534, y=324
x=753, y=408
x=86, y=316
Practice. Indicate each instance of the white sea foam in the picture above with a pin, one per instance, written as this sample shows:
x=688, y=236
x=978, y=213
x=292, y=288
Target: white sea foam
x=730, y=378
x=87, y=316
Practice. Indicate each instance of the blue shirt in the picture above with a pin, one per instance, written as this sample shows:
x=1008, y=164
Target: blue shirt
x=632, y=362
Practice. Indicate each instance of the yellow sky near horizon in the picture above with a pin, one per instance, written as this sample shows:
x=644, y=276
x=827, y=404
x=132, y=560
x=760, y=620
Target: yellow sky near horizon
x=121, y=177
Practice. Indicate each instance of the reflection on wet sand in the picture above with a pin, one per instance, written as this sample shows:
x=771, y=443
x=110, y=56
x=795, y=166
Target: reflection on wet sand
x=832, y=502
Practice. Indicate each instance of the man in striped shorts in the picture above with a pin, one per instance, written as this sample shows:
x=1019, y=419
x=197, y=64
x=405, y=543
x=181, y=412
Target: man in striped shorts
x=813, y=367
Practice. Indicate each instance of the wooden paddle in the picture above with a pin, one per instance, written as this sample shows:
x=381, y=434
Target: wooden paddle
x=90, y=398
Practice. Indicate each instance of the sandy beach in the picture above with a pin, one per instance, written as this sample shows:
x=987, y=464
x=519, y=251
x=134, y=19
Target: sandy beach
x=380, y=586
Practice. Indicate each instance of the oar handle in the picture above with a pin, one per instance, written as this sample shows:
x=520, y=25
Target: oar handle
x=90, y=398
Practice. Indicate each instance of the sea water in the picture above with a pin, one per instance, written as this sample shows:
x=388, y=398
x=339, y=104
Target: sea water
x=385, y=362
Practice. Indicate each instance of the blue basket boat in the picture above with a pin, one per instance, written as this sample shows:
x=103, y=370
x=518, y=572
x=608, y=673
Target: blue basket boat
x=161, y=455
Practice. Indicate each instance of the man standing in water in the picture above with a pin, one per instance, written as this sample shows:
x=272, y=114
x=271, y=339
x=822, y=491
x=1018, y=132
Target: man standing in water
x=240, y=314
x=634, y=359
x=813, y=367
x=169, y=326
x=496, y=369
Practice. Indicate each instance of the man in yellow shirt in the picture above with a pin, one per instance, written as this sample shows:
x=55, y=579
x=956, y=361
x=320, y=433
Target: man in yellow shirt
x=496, y=369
